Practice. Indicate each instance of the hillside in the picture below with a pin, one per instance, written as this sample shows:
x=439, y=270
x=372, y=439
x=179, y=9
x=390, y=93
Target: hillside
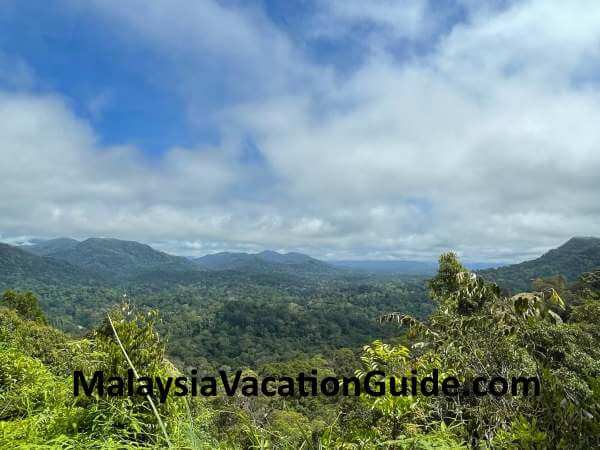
x=51, y=246
x=576, y=256
x=112, y=258
x=39, y=364
x=19, y=268
x=120, y=260
x=232, y=309
x=266, y=261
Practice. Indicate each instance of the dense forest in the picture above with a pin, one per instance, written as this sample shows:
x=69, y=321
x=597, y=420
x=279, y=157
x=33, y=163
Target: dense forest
x=272, y=322
x=231, y=310
x=576, y=256
x=300, y=225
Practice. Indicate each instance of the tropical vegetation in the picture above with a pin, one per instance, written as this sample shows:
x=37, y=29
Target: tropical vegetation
x=476, y=328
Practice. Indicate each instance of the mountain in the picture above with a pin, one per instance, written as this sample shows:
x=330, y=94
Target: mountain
x=112, y=258
x=48, y=247
x=267, y=260
x=19, y=268
x=576, y=256
x=287, y=258
x=119, y=260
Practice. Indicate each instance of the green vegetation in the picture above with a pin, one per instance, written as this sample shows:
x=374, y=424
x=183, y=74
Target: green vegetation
x=110, y=259
x=267, y=261
x=237, y=320
x=550, y=333
x=254, y=324
x=576, y=256
x=26, y=305
x=287, y=306
x=18, y=267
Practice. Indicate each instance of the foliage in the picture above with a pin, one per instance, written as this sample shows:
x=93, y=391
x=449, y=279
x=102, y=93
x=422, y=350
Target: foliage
x=279, y=326
x=25, y=304
x=578, y=255
x=38, y=406
x=478, y=331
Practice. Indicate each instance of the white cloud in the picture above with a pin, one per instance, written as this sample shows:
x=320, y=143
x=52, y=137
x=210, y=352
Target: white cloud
x=487, y=144
x=205, y=40
x=55, y=178
x=397, y=18
x=493, y=130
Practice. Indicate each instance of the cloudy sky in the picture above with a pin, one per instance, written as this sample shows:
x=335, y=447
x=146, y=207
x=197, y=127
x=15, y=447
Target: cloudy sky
x=341, y=128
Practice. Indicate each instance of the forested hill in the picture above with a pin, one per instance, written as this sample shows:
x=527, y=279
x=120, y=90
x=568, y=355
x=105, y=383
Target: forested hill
x=50, y=247
x=267, y=260
x=110, y=258
x=228, y=309
x=576, y=256
x=20, y=268
x=119, y=261
x=535, y=342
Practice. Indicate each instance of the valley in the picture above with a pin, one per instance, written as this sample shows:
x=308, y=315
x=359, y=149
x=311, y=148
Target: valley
x=271, y=315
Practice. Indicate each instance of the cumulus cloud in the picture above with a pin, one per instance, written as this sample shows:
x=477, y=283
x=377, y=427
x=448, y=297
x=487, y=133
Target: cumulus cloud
x=494, y=133
x=487, y=144
x=56, y=179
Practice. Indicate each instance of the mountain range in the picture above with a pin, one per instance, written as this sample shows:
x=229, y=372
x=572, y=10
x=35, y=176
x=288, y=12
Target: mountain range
x=106, y=260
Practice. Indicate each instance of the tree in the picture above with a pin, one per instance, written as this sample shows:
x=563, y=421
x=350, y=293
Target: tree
x=25, y=304
x=477, y=331
x=446, y=282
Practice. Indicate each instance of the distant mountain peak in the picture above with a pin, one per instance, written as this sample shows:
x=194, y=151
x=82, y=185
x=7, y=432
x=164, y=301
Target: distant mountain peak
x=266, y=260
x=110, y=257
x=581, y=240
x=113, y=242
x=269, y=252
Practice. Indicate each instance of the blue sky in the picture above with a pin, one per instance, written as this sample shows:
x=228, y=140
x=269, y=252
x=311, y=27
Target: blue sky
x=84, y=58
x=77, y=56
x=345, y=129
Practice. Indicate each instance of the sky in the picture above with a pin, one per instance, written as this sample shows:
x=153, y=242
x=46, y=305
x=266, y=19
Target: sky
x=346, y=129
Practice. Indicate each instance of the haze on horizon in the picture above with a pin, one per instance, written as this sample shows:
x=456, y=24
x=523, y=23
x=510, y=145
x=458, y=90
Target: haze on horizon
x=394, y=131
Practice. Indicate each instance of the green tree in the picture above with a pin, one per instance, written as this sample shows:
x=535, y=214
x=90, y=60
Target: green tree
x=446, y=281
x=25, y=303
